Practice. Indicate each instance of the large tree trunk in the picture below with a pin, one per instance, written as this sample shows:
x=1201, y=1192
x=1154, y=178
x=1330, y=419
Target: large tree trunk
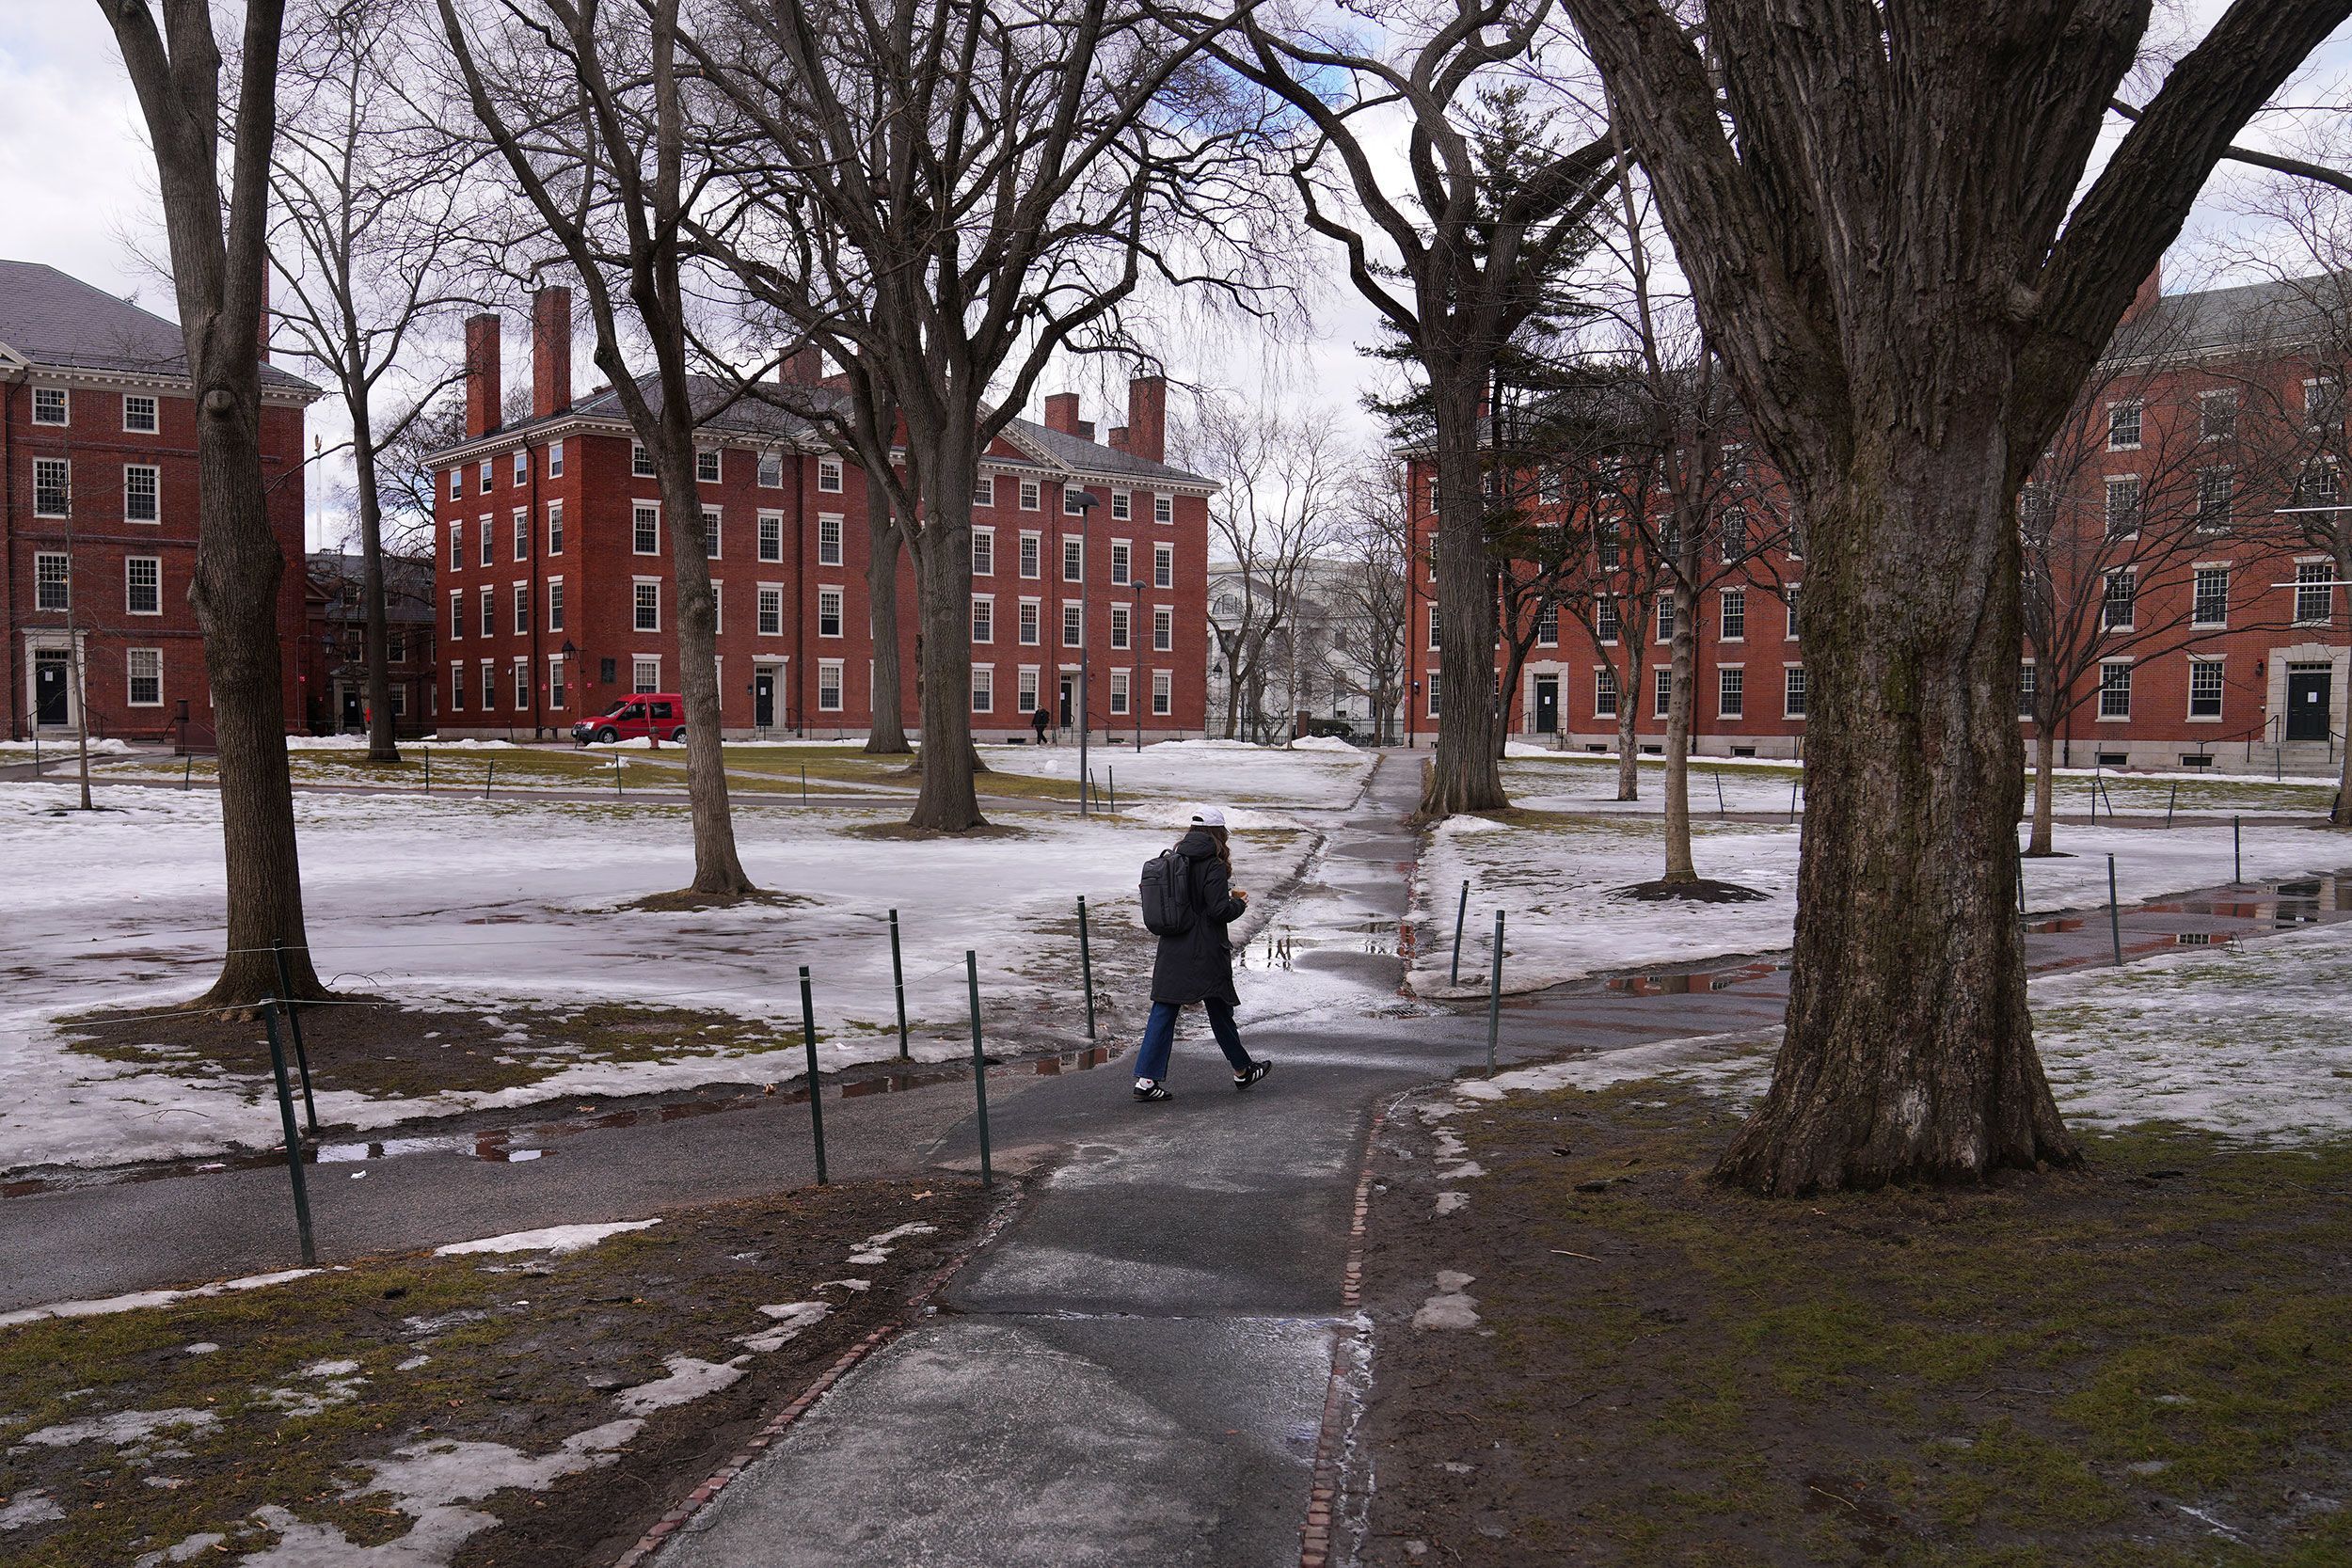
x=1909, y=1050
x=383, y=744
x=1463, y=776
x=718, y=871
x=2341, y=816
x=887, y=736
x=948, y=800
x=1629, y=739
x=2045, y=785
x=1680, y=867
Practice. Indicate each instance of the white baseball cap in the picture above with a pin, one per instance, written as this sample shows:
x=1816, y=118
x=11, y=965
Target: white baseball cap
x=1208, y=816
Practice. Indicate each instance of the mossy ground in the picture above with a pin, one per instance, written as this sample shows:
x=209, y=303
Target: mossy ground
x=2149, y=1363
x=521, y=1350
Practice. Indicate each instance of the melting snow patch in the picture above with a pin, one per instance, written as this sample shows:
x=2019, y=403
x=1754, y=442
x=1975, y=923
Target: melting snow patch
x=27, y=1509
x=138, y=1299
x=1449, y=1309
x=1733, y=1062
x=125, y=1429
x=186, y=1551
x=554, y=1238
x=859, y=1286
x=689, y=1379
x=334, y=1384
x=1449, y=1203
x=877, y=1249
x=791, y=1320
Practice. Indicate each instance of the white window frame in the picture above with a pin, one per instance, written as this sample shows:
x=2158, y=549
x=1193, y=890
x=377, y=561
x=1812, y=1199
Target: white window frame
x=770, y=464
x=2310, y=572
x=637, y=602
x=770, y=608
x=1734, y=607
x=457, y=483
x=830, y=479
x=1073, y=548
x=1163, y=565
x=1070, y=494
x=983, y=618
x=1122, y=628
x=486, y=475
x=1162, y=508
x=1122, y=562
x=1661, y=690
x=131, y=676
x=1029, y=625
x=559, y=694
x=830, y=531
x=64, y=464
x=1163, y=629
x=640, y=511
x=1030, y=563
x=64, y=406
x=1122, y=506
x=1795, y=682
x=2198, y=662
x=1032, y=496
x=984, y=689
x=2196, y=598
x=1605, y=693
x=1119, y=694
x=457, y=686
x=520, y=474
x=522, y=607
x=130, y=598
x=456, y=615
x=1163, y=693
x=555, y=460
x=1608, y=619
x=984, y=552
x=714, y=532
x=154, y=414
x=522, y=533
x=639, y=683
x=489, y=684
x=832, y=600
x=2107, y=515
x=555, y=604
x=2129, y=602
x=831, y=669
x=520, y=676
x=641, y=464
x=770, y=533
x=1073, y=625
x=2137, y=413
x=709, y=465
x=1026, y=688
x=486, y=608
x=984, y=490
x=2106, y=689
x=154, y=489
x=2218, y=397
x=1726, y=677
x=489, y=551
x=457, y=543
x=51, y=569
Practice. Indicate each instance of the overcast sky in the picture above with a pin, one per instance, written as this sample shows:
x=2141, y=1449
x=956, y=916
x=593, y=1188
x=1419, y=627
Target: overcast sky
x=76, y=184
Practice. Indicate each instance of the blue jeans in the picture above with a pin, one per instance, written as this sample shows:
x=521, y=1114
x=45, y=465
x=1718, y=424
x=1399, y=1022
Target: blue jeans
x=1159, y=1037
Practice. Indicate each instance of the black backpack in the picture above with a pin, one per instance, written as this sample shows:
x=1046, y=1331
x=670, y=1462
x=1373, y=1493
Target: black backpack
x=1166, y=895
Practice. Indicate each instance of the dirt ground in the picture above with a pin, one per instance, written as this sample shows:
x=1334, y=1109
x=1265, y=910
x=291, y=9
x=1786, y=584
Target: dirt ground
x=294, y=1396
x=2148, y=1364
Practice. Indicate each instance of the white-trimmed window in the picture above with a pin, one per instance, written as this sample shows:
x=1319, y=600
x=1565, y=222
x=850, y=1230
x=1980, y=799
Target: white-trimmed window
x=1788, y=597
x=521, y=677
x=829, y=540
x=984, y=494
x=1123, y=628
x=983, y=689
x=51, y=405
x=1122, y=506
x=52, y=584
x=488, y=607
x=456, y=544
x=1073, y=501
x=644, y=533
x=2323, y=402
x=1792, y=692
x=2204, y=688
x=2122, y=506
x=829, y=613
x=1607, y=627
x=522, y=471
x=2216, y=414
x=1662, y=693
x=772, y=537
x=1119, y=694
x=458, y=483
x=645, y=675
x=1162, y=508
x=1163, y=629
x=1163, y=565
x=457, y=686
x=1122, y=555
x=555, y=604
x=719, y=610
x=646, y=601
x=1073, y=625
x=2124, y=421
x=714, y=532
x=1073, y=561
x=146, y=672
x=558, y=697
x=489, y=684
x=1546, y=627
x=143, y=585
x=1547, y=488
x=829, y=685
x=53, y=488
x=1163, y=692
x=142, y=493
x=983, y=618
x=2216, y=498
x=2209, y=602
x=522, y=534
x=1028, y=622
x=1032, y=555
x=456, y=614
x=706, y=469
x=2028, y=688
x=522, y=609
x=1437, y=693
x=139, y=415
x=1731, y=691
x=1665, y=617
x=640, y=460
x=555, y=528
x=1735, y=615
x=555, y=470
x=489, y=539
x=2115, y=688
x=829, y=482
x=984, y=552
x=2314, y=592
x=772, y=469
x=486, y=473
x=2118, y=607
x=1031, y=496
x=1604, y=692
x=1026, y=692
x=1436, y=629
x=772, y=609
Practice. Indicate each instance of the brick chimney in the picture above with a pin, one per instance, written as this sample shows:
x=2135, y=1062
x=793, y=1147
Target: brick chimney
x=550, y=351
x=2150, y=290
x=482, y=374
x=1147, y=418
x=1086, y=430
x=1118, y=438
x=803, y=366
x=1061, y=413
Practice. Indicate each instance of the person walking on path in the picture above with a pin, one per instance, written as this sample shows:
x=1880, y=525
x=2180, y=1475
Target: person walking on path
x=1197, y=965
x=1043, y=720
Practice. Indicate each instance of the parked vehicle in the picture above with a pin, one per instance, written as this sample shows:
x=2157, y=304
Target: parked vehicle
x=660, y=715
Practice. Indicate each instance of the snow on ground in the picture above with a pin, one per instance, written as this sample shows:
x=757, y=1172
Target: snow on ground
x=1552, y=881
x=554, y=1238
x=2251, y=1041
x=466, y=902
x=1208, y=772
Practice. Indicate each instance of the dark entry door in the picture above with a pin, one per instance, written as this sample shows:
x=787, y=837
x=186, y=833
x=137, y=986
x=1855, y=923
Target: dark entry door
x=764, y=698
x=353, y=716
x=50, y=670
x=1546, y=705
x=2308, y=703
x=1069, y=698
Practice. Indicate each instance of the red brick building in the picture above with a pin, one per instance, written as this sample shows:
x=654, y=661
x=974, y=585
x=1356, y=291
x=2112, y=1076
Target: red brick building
x=334, y=652
x=98, y=520
x=2253, y=666
x=556, y=597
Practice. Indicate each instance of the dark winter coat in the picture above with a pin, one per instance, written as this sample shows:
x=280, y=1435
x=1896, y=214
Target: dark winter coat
x=1200, y=963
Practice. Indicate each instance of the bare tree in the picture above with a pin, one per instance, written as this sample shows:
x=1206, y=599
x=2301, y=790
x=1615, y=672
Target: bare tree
x=1374, y=588
x=217, y=241
x=951, y=196
x=1280, y=504
x=1907, y=291
x=367, y=216
x=1456, y=247
x=586, y=104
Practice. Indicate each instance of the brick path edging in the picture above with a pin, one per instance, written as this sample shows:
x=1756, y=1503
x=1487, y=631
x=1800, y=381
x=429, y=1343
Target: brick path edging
x=766, y=1437
x=1350, y=1345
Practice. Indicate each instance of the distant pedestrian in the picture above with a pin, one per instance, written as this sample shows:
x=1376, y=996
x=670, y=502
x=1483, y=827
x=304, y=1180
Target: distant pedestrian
x=1188, y=901
x=1043, y=720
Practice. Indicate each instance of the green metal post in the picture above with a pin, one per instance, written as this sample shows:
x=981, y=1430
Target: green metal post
x=2114, y=916
x=899, y=983
x=1461, y=909
x=489, y=778
x=428, y=769
x=1110, y=776
x=2237, y=853
x=187, y=772
x=1719, y=808
x=1086, y=964
x=1494, y=998
x=805, y=784
x=816, y=1102
x=293, y=1141
x=302, y=1057
x=2170, y=804
x=980, y=1063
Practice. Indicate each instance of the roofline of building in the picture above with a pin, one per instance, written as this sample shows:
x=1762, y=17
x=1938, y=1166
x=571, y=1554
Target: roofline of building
x=18, y=368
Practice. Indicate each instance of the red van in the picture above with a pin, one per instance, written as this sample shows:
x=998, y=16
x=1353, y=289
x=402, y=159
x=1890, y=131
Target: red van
x=660, y=715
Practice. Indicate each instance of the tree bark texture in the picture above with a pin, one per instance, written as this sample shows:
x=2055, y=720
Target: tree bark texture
x=382, y=740
x=1683, y=656
x=887, y=736
x=949, y=799
x=1463, y=775
x=2341, y=815
x=718, y=869
x=2045, y=785
x=1628, y=745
